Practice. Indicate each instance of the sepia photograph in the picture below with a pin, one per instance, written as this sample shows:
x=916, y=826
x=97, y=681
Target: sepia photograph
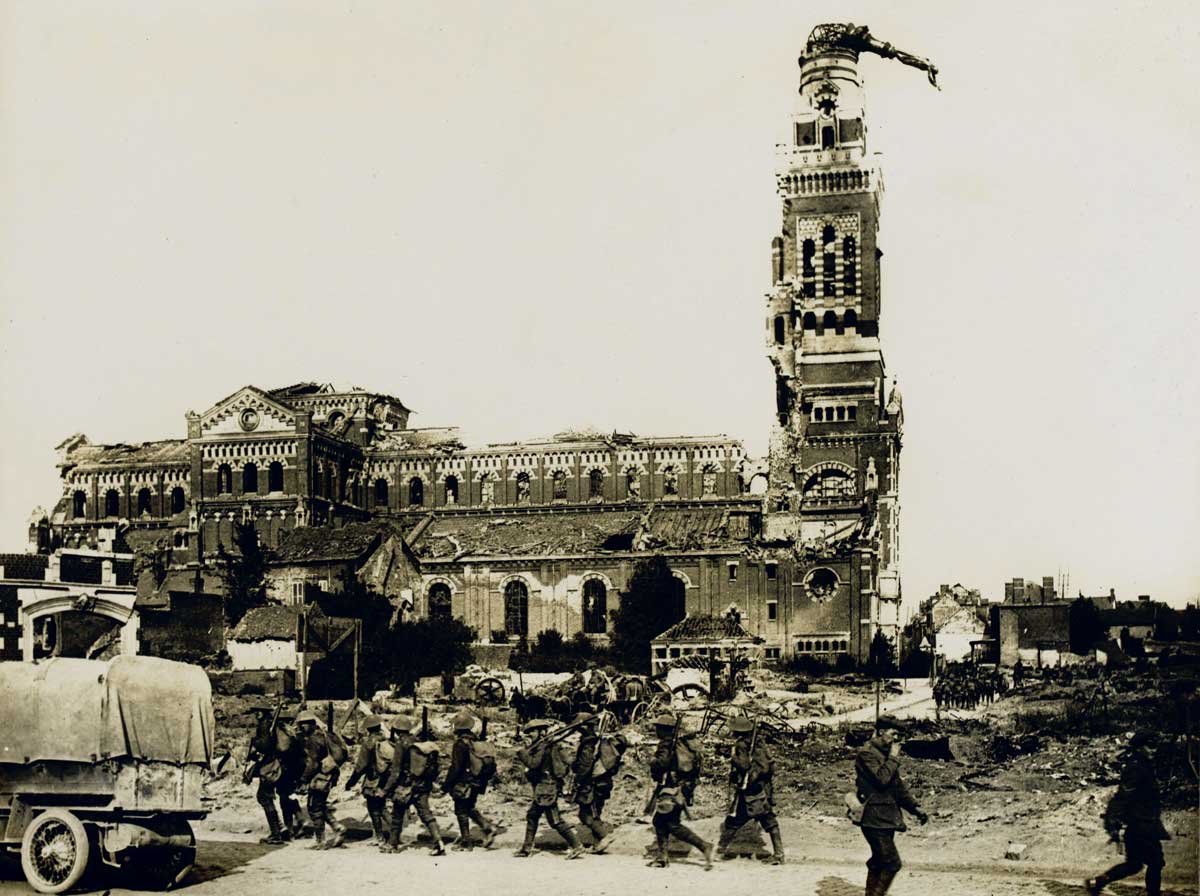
x=465, y=440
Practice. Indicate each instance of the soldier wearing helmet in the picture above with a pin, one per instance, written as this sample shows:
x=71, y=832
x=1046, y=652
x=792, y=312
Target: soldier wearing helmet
x=546, y=767
x=409, y=782
x=371, y=763
x=676, y=769
x=323, y=756
x=471, y=769
x=751, y=775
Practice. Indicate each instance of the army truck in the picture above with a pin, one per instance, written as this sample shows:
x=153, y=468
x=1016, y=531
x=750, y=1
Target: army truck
x=102, y=762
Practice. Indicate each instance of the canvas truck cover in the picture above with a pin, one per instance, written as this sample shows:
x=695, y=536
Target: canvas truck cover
x=130, y=707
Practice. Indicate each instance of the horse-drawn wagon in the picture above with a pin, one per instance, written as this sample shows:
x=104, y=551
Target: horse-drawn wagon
x=102, y=760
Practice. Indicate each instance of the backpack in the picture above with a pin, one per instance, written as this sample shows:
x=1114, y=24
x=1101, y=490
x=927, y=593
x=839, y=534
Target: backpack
x=560, y=766
x=423, y=761
x=385, y=752
x=337, y=747
x=481, y=763
x=607, y=757
x=687, y=757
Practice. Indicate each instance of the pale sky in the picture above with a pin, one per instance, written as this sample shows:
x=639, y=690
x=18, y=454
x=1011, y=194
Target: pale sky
x=523, y=217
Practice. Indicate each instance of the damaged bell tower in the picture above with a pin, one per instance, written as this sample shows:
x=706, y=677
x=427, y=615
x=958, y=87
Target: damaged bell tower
x=833, y=481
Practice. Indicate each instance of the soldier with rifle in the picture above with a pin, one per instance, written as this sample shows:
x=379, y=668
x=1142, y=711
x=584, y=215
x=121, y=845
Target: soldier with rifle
x=597, y=761
x=751, y=773
x=409, y=782
x=372, y=761
x=323, y=756
x=546, y=767
x=675, y=768
x=269, y=761
x=472, y=767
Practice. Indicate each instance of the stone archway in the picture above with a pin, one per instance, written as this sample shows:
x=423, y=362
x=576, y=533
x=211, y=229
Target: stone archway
x=44, y=603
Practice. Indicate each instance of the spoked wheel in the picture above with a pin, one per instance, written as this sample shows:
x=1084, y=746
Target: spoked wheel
x=490, y=692
x=54, y=851
x=689, y=691
x=638, y=712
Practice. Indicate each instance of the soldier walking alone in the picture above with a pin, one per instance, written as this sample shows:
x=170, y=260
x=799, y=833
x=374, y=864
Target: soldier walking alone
x=1136, y=807
x=546, y=768
x=471, y=769
x=883, y=795
x=371, y=764
x=676, y=769
x=322, y=758
x=751, y=773
x=409, y=782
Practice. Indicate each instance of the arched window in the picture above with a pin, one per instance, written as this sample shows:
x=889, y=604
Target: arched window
x=849, y=266
x=670, y=480
x=381, y=492
x=829, y=485
x=112, y=503
x=250, y=479
x=143, y=501
x=595, y=607
x=827, y=137
x=516, y=609
x=819, y=415
x=224, y=480
x=595, y=484
x=275, y=477
x=850, y=319
x=780, y=329
x=829, y=260
x=677, y=600
x=523, y=496
x=830, y=322
x=416, y=492
x=808, y=249
x=451, y=489
x=78, y=505
x=560, y=485
x=440, y=602
x=178, y=500
x=810, y=321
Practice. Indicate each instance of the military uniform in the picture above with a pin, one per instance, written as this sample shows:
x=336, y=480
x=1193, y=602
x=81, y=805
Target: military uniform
x=676, y=769
x=1136, y=807
x=321, y=771
x=593, y=782
x=751, y=772
x=546, y=768
x=883, y=795
x=371, y=763
x=268, y=768
x=407, y=785
x=463, y=787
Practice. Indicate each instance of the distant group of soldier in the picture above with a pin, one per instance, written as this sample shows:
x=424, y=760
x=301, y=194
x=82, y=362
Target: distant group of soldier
x=966, y=685
x=398, y=772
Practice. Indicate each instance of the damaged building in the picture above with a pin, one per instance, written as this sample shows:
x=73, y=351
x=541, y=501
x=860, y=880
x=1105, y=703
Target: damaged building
x=522, y=537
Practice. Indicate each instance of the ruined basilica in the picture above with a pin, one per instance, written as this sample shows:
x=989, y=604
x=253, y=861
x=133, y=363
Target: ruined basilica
x=523, y=537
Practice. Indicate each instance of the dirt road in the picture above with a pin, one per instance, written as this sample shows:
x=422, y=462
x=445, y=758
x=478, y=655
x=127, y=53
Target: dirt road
x=236, y=867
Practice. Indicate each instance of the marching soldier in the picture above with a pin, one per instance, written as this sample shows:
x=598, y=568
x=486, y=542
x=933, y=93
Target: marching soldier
x=546, y=768
x=371, y=764
x=471, y=769
x=323, y=756
x=676, y=769
x=597, y=761
x=751, y=773
x=265, y=763
x=1136, y=807
x=292, y=761
x=883, y=795
x=409, y=782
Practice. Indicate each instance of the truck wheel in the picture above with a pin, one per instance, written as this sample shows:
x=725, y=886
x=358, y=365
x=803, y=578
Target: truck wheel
x=54, y=851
